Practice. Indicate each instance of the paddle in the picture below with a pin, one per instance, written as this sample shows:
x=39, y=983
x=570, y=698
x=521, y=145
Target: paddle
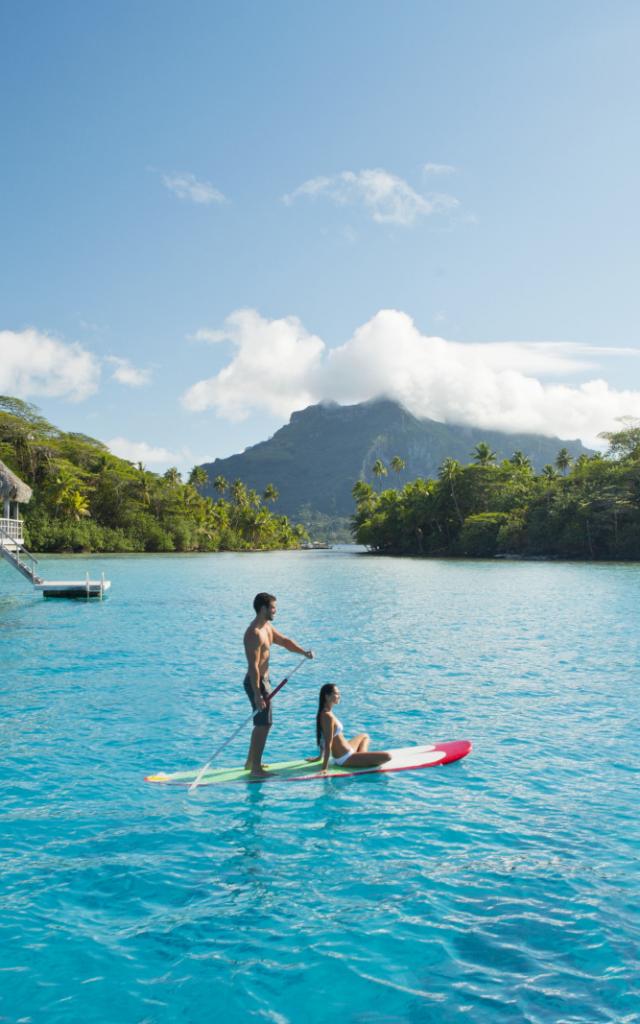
x=269, y=697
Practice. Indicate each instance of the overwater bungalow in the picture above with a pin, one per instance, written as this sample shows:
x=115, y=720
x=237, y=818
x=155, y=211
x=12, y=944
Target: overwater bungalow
x=13, y=493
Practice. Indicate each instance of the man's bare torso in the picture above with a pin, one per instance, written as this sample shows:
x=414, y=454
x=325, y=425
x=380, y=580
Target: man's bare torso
x=262, y=637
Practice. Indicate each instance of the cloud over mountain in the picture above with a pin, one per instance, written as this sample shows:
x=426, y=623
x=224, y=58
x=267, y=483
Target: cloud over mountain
x=273, y=362
x=279, y=367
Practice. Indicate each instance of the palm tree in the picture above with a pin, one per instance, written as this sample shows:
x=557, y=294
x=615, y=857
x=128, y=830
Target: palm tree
x=449, y=470
x=172, y=476
x=549, y=472
x=70, y=500
x=78, y=505
x=220, y=484
x=190, y=497
x=563, y=461
x=271, y=493
x=239, y=493
x=398, y=464
x=143, y=481
x=362, y=491
x=482, y=454
x=198, y=477
x=379, y=469
x=520, y=460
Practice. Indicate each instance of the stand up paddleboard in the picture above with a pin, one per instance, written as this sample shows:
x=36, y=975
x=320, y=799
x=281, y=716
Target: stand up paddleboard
x=402, y=760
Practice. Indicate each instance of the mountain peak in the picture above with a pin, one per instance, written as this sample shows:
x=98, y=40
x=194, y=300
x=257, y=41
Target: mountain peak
x=316, y=458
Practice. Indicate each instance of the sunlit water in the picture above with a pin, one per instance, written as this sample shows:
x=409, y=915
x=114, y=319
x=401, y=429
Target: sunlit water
x=502, y=888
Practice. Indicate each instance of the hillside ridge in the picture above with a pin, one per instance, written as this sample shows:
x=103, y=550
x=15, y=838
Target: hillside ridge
x=315, y=459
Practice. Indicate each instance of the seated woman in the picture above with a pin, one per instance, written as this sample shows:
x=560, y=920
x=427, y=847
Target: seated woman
x=330, y=737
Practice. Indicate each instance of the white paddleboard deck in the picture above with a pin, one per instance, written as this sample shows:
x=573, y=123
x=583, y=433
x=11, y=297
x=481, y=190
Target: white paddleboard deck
x=402, y=759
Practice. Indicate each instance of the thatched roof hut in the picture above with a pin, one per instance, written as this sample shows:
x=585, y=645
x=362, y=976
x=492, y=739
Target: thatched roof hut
x=12, y=488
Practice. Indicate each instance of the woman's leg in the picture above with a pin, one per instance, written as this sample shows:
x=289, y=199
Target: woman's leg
x=370, y=759
x=360, y=743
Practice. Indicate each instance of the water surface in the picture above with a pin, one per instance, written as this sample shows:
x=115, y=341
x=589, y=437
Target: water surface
x=502, y=888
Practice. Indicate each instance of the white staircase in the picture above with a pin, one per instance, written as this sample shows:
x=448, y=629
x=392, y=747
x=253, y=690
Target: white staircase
x=13, y=550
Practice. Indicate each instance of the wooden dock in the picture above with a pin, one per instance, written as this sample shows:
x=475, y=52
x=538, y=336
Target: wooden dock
x=14, y=552
x=74, y=588
x=13, y=490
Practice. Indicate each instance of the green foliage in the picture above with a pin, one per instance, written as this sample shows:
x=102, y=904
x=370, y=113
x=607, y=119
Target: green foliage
x=483, y=454
x=483, y=509
x=478, y=537
x=624, y=443
x=320, y=527
x=86, y=499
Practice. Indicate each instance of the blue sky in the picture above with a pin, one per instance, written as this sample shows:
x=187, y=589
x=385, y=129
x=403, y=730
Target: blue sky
x=215, y=213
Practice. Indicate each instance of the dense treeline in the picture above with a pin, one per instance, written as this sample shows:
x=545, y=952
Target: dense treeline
x=86, y=499
x=587, y=509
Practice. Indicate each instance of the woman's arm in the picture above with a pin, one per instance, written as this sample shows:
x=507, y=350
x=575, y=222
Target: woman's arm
x=328, y=727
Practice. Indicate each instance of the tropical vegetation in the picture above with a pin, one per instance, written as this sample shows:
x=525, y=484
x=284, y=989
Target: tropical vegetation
x=314, y=459
x=87, y=499
x=587, y=508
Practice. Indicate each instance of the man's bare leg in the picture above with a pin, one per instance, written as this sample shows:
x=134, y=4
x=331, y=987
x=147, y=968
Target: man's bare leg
x=256, y=748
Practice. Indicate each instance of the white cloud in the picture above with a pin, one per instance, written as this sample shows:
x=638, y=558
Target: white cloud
x=273, y=360
x=386, y=197
x=187, y=186
x=439, y=169
x=33, y=363
x=213, y=337
x=127, y=374
x=140, y=451
x=279, y=367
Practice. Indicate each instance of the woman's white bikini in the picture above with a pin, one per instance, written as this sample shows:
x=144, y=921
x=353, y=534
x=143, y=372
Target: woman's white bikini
x=339, y=729
x=354, y=753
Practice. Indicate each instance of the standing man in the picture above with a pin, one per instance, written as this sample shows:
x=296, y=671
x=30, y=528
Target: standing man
x=257, y=646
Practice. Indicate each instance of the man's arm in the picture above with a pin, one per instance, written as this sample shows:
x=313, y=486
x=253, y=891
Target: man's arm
x=290, y=645
x=252, y=645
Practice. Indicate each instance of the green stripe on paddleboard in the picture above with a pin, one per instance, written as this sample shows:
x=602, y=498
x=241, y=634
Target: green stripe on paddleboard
x=281, y=770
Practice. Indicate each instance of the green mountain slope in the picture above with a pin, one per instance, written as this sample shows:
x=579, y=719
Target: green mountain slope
x=316, y=458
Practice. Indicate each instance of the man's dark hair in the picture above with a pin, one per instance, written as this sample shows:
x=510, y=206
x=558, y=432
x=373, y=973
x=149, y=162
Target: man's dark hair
x=262, y=601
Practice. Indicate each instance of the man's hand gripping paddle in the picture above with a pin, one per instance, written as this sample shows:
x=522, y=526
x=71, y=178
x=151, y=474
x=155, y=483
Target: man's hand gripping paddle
x=268, y=699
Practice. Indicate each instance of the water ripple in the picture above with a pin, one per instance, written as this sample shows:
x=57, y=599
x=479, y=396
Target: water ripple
x=499, y=889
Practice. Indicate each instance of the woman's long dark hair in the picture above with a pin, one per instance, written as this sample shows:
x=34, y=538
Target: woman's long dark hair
x=324, y=693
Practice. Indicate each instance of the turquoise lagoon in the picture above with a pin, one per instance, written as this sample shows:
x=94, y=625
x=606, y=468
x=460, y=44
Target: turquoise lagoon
x=503, y=888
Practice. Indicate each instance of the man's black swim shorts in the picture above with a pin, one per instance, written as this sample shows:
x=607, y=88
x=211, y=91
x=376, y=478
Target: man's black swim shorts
x=261, y=717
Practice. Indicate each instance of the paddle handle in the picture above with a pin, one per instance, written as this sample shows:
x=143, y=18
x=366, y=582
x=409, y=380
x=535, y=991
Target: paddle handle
x=268, y=698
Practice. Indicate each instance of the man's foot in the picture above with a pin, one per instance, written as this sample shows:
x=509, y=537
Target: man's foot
x=259, y=773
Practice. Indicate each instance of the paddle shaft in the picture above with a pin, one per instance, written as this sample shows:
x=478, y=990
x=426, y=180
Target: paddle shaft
x=268, y=698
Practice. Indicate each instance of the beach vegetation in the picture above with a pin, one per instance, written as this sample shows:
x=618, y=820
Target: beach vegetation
x=587, y=508
x=87, y=499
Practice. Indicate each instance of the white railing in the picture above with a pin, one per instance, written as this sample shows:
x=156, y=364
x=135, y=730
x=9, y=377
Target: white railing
x=12, y=528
